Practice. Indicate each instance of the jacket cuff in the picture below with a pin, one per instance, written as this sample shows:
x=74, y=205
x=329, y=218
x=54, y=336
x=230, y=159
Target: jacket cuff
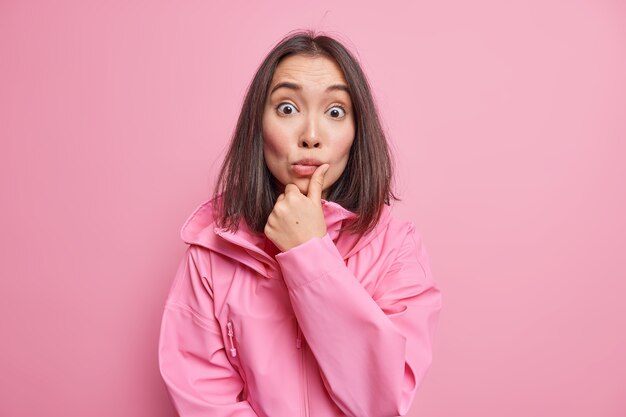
x=309, y=261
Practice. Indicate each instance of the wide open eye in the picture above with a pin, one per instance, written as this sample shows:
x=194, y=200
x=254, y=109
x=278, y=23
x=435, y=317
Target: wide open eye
x=337, y=112
x=287, y=108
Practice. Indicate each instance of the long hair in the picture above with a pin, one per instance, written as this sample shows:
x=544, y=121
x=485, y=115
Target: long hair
x=246, y=189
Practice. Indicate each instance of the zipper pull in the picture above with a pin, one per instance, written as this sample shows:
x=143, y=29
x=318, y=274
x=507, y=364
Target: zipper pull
x=233, y=351
x=298, y=339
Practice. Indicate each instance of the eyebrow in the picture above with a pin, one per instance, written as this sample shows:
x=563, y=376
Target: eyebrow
x=298, y=87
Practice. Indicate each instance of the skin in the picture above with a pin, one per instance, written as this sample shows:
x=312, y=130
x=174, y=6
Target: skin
x=308, y=122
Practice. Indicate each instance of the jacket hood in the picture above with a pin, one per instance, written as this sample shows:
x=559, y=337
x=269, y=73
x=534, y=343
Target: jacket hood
x=245, y=246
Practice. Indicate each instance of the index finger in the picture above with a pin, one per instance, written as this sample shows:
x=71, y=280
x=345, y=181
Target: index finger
x=316, y=184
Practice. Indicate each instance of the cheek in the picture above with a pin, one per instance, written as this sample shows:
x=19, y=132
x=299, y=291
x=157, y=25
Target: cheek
x=345, y=138
x=274, y=142
x=341, y=152
x=344, y=144
x=274, y=151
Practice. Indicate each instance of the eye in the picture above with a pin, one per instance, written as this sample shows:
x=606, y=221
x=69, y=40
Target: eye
x=287, y=108
x=337, y=112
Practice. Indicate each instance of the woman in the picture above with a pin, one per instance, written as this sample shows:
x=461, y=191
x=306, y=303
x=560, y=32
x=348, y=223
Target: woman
x=299, y=293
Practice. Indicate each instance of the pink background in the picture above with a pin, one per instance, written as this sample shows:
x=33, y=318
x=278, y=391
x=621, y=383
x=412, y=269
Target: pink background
x=508, y=123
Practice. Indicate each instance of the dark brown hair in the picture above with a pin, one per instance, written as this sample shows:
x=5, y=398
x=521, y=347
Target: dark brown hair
x=246, y=186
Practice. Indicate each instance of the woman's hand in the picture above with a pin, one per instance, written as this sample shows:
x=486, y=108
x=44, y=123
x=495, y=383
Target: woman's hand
x=296, y=217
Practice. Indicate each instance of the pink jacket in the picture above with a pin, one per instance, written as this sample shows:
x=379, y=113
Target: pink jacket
x=337, y=326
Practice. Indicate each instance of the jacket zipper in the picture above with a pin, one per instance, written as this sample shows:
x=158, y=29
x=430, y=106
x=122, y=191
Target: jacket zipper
x=231, y=333
x=233, y=353
x=305, y=393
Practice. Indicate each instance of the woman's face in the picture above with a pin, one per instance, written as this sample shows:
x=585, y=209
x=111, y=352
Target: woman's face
x=308, y=115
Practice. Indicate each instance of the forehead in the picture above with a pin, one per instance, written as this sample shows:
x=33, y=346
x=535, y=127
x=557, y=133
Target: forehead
x=311, y=70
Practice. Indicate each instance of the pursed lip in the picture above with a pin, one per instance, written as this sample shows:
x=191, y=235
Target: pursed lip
x=308, y=161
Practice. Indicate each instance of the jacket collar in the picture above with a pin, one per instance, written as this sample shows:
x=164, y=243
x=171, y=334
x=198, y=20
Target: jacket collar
x=245, y=246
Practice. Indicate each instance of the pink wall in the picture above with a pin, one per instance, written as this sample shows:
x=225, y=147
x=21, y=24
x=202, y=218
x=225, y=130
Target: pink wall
x=509, y=128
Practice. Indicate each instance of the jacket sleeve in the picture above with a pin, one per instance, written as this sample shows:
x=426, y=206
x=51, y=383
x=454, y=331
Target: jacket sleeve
x=192, y=358
x=373, y=350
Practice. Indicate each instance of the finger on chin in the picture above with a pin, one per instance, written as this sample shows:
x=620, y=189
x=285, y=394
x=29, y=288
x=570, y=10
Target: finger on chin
x=291, y=188
x=320, y=173
x=317, y=183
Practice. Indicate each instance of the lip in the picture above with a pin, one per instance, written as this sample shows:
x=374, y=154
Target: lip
x=304, y=170
x=308, y=161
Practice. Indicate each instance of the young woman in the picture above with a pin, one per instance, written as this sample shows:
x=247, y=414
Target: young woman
x=299, y=294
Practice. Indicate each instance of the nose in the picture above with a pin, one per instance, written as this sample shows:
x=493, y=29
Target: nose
x=310, y=137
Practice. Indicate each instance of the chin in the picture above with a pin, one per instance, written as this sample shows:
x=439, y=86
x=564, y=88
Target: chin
x=304, y=188
x=302, y=184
